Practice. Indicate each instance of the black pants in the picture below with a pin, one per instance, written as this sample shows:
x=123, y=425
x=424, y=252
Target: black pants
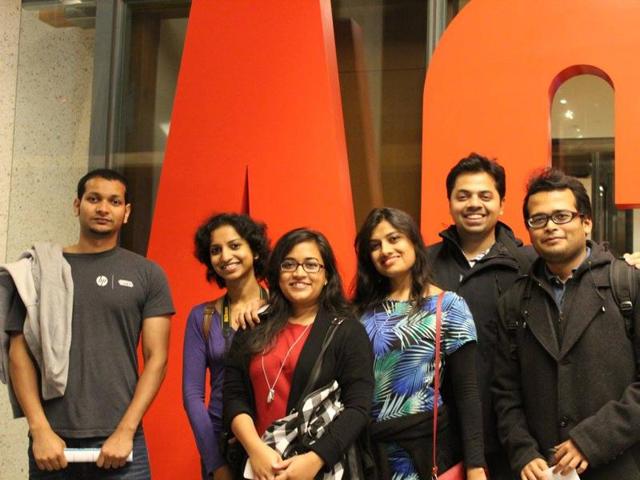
x=498, y=465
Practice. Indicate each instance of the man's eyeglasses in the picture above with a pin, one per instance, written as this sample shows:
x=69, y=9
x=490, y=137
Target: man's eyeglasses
x=559, y=218
x=309, y=266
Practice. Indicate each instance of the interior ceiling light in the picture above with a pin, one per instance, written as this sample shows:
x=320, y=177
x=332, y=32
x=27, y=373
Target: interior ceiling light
x=563, y=101
x=569, y=114
x=165, y=127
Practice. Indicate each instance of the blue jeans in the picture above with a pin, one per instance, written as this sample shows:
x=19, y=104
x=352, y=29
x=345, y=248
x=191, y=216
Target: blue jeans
x=138, y=469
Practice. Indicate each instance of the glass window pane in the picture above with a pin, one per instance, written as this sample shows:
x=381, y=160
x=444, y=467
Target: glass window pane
x=153, y=50
x=381, y=48
x=582, y=129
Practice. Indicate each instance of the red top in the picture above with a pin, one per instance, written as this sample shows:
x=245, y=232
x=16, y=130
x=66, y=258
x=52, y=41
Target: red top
x=266, y=413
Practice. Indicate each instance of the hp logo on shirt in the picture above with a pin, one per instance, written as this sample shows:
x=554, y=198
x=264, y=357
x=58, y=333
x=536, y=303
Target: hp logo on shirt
x=102, y=280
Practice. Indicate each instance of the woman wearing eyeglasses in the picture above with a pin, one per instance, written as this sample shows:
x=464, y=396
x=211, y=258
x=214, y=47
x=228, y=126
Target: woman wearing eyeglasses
x=234, y=249
x=270, y=365
x=397, y=303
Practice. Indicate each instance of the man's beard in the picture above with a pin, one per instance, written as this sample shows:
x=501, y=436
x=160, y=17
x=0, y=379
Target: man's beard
x=101, y=233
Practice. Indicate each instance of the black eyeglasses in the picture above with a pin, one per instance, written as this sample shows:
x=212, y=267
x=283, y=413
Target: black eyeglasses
x=559, y=218
x=310, y=266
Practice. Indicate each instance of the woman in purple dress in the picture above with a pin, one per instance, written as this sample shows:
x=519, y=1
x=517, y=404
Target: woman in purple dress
x=234, y=249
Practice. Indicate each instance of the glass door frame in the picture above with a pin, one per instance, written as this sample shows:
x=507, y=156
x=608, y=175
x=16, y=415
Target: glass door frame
x=113, y=25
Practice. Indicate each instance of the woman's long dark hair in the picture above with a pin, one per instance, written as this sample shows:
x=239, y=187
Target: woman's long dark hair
x=371, y=288
x=331, y=299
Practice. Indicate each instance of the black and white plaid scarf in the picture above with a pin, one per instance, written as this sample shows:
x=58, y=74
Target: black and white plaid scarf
x=296, y=432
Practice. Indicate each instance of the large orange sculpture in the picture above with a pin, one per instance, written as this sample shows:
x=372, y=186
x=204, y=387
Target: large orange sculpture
x=491, y=80
x=257, y=127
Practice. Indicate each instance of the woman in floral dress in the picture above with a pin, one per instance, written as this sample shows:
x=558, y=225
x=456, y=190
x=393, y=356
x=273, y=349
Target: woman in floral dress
x=397, y=304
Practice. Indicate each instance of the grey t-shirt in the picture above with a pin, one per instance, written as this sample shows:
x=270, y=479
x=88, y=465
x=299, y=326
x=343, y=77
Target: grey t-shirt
x=114, y=291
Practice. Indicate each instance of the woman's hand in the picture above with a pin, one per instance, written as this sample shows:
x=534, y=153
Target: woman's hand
x=476, y=473
x=299, y=467
x=534, y=470
x=263, y=460
x=246, y=316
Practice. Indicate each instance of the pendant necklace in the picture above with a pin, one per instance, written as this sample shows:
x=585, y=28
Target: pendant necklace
x=272, y=387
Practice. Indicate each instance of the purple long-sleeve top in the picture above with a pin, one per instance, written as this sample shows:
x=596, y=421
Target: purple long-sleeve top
x=206, y=421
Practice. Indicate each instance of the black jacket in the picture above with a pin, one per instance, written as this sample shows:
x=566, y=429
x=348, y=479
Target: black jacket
x=348, y=359
x=414, y=434
x=481, y=286
x=581, y=384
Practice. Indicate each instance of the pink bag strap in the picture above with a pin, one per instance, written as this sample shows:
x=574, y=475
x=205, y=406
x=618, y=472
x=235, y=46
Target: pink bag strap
x=436, y=383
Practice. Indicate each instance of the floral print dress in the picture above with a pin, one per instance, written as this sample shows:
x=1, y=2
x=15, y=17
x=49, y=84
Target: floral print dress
x=403, y=347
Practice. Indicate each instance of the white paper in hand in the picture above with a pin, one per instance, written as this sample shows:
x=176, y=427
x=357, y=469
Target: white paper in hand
x=573, y=475
x=248, y=471
x=82, y=455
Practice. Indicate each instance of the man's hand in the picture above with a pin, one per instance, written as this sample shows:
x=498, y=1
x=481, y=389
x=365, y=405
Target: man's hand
x=534, y=470
x=632, y=259
x=48, y=449
x=299, y=467
x=568, y=457
x=115, y=450
x=222, y=473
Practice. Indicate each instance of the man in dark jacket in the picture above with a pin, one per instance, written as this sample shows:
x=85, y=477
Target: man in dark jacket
x=566, y=376
x=479, y=258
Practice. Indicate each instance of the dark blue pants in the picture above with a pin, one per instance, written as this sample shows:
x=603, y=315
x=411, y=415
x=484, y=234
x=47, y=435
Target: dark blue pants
x=136, y=470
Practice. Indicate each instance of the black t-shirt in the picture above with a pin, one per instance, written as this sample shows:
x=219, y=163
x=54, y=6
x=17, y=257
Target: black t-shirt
x=17, y=310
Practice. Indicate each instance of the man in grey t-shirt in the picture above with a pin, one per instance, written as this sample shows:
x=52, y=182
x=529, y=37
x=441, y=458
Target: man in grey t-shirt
x=119, y=296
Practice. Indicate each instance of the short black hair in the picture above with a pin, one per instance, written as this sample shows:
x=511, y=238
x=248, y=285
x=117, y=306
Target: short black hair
x=107, y=174
x=253, y=232
x=476, y=163
x=550, y=179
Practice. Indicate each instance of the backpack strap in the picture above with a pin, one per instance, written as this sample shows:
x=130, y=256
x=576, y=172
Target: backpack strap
x=524, y=263
x=624, y=288
x=515, y=305
x=209, y=308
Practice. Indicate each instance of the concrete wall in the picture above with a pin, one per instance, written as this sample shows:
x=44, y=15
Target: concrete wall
x=13, y=433
x=45, y=107
x=9, y=26
x=51, y=141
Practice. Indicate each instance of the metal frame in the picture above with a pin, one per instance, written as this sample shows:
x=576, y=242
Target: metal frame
x=113, y=21
x=436, y=24
x=107, y=73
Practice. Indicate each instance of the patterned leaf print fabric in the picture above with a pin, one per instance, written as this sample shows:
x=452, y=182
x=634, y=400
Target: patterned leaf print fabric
x=403, y=347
